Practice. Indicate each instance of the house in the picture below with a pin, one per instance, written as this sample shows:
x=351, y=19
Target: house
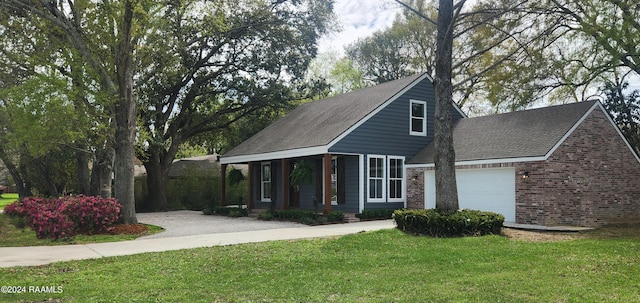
x=356, y=143
x=558, y=165
x=373, y=148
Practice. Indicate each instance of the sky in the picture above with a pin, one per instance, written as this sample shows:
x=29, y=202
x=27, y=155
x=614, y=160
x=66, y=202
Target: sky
x=358, y=19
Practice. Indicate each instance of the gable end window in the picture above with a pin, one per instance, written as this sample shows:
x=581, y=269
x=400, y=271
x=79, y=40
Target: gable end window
x=265, y=182
x=418, y=118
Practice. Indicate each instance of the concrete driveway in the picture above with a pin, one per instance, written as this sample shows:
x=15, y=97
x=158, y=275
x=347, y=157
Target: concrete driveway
x=188, y=223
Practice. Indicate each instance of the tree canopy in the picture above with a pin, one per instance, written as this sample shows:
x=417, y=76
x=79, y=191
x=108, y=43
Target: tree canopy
x=163, y=73
x=511, y=53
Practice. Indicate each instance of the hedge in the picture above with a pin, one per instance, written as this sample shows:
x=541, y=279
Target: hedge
x=436, y=223
x=226, y=211
x=374, y=214
x=303, y=216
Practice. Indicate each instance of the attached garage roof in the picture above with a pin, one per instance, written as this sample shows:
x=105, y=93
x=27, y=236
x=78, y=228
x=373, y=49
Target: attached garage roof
x=318, y=123
x=522, y=134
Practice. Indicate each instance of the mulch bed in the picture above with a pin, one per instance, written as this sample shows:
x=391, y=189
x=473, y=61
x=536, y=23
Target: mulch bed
x=129, y=229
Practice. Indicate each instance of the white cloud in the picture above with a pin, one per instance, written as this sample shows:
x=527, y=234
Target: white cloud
x=358, y=19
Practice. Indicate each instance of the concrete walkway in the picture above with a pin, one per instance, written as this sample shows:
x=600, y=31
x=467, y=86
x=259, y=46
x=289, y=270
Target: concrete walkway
x=40, y=255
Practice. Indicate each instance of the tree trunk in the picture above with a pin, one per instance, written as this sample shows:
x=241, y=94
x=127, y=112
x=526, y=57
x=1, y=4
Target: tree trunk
x=82, y=170
x=445, y=170
x=105, y=171
x=21, y=187
x=125, y=118
x=157, y=175
x=94, y=184
x=44, y=181
x=101, y=173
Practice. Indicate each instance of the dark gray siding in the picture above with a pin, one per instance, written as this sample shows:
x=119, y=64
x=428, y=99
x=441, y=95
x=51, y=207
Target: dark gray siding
x=393, y=205
x=308, y=191
x=276, y=167
x=387, y=132
x=351, y=186
x=308, y=194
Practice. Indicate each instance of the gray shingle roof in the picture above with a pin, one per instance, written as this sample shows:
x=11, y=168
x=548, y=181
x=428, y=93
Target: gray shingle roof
x=318, y=123
x=529, y=133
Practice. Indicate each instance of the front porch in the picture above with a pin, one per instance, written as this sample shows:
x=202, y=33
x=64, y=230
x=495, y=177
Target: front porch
x=333, y=182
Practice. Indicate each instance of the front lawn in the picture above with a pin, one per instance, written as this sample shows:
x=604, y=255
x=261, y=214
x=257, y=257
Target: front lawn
x=7, y=199
x=383, y=266
x=12, y=236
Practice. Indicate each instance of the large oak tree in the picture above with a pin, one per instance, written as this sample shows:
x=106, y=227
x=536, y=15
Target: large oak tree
x=208, y=64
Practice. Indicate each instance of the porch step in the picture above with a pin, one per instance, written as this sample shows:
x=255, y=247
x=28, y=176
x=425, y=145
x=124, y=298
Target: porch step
x=350, y=218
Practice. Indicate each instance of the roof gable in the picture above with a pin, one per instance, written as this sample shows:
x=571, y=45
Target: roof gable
x=318, y=123
x=522, y=134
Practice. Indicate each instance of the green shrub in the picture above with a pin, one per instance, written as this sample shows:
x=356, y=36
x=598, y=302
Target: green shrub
x=335, y=216
x=307, y=217
x=265, y=216
x=19, y=221
x=308, y=221
x=226, y=211
x=296, y=215
x=436, y=223
x=375, y=214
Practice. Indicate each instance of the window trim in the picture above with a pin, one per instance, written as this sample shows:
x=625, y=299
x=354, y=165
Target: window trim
x=402, y=179
x=264, y=198
x=423, y=118
x=383, y=178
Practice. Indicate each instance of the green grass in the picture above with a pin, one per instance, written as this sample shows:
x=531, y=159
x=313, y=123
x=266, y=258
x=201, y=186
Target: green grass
x=383, y=266
x=12, y=236
x=7, y=199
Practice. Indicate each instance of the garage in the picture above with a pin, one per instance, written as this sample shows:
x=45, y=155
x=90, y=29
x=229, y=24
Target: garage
x=491, y=189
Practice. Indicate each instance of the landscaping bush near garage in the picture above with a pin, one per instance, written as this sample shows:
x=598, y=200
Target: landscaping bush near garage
x=65, y=217
x=436, y=223
x=375, y=214
x=303, y=216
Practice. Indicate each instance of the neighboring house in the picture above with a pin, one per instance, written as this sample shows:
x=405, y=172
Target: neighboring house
x=373, y=148
x=192, y=166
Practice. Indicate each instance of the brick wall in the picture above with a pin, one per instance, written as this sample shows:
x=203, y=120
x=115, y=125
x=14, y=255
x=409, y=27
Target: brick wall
x=592, y=179
x=415, y=188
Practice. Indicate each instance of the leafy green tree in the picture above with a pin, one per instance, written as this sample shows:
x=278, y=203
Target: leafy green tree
x=457, y=50
x=102, y=37
x=51, y=104
x=625, y=110
x=561, y=50
x=209, y=64
x=489, y=40
x=381, y=56
x=610, y=27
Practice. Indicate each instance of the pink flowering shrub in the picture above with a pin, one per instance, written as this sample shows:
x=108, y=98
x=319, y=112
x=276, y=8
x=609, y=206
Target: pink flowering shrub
x=64, y=217
x=14, y=209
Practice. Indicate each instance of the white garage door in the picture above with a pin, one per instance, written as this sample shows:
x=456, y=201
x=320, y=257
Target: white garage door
x=491, y=189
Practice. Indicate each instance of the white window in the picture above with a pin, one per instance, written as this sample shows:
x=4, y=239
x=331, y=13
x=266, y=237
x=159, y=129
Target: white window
x=418, y=118
x=376, y=178
x=265, y=182
x=396, y=179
